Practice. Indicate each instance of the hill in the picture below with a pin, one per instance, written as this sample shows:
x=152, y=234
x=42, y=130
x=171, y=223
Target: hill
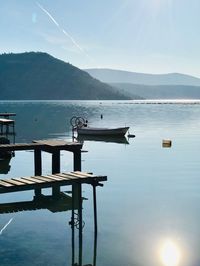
x=159, y=91
x=120, y=76
x=35, y=76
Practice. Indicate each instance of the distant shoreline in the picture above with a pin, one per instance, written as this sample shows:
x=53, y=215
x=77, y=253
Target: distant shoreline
x=152, y=101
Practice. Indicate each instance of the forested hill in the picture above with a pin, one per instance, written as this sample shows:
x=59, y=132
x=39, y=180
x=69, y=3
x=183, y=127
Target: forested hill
x=35, y=76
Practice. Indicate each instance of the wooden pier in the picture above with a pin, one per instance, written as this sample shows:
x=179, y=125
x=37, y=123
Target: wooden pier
x=51, y=146
x=58, y=201
x=7, y=125
x=7, y=115
x=45, y=181
x=55, y=180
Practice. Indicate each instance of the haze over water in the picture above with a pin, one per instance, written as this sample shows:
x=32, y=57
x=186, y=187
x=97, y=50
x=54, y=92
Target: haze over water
x=148, y=210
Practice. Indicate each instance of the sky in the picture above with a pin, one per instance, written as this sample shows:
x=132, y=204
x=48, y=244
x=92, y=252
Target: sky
x=148, y=36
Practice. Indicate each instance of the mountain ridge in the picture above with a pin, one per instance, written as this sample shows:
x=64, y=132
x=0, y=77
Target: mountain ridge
x=122, y=76
x=40, y=76
x=159, y=91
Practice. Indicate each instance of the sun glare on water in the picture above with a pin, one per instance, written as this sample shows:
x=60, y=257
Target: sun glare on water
x=170, y=254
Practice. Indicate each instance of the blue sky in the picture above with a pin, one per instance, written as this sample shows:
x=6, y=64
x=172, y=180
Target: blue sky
x=149, y=36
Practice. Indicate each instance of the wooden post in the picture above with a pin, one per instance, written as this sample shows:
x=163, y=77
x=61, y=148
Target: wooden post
x=56, y=191
x=80, y=223
x=77, y=160
x=56, y=162
x=95, y=249
x=72, y=224
x=95, y=208
x=38, y=161
x=38, y=168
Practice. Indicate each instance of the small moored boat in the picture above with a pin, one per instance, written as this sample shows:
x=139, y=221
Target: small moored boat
x=80, y=125
x=96, y=131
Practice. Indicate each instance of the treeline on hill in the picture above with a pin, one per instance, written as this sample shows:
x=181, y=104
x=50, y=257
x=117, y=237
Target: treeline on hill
x=36, y=75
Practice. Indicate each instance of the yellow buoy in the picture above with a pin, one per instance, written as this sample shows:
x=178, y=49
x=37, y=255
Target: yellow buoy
x=166, y=143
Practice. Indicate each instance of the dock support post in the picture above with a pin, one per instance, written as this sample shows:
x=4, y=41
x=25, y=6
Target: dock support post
x=95, y=248
x=72, y=225
x=38, y=161
x=55, y=170
x=55, y=191
x=56, y=162
x=38, y=168
x=95, y=208
x=77, y=160
x=80, y=222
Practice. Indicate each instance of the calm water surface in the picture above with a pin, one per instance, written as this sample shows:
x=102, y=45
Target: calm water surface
x=148, y=210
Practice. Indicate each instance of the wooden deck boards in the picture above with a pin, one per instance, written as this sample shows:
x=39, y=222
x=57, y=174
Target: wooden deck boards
x=45, y=181
x=7, y=114
x=43, y=146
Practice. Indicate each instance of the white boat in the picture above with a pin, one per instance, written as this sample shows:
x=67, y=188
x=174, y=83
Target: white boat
x=97, y=131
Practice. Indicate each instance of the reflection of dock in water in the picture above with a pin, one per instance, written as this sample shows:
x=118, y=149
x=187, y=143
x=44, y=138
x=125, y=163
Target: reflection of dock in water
x=62, y=203
x=110, y=139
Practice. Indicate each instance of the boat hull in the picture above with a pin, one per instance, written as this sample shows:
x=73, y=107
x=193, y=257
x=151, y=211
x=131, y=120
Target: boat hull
x=92, y=131
x=108, y=139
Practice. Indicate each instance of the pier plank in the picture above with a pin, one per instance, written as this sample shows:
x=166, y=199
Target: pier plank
x=5, y=184
x=66, y=176
x=44, y=178
x=56, y=177
x=46, y=181
x=84, y=174
x=34, y=179
x=75, y=175
x=26, y=182
x=14, y=182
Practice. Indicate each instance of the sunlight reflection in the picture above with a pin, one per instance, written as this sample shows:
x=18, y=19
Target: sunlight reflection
x=170, y=253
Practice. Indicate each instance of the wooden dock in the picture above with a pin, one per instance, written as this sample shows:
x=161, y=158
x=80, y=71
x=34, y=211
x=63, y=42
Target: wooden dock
x=46, y=181
x=7, y=125
x=51, y=146
x=7, y=115
x=56, y=180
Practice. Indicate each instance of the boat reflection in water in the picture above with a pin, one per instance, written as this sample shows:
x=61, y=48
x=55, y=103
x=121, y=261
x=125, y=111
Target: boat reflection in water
x=111, y=139
x=61, y=203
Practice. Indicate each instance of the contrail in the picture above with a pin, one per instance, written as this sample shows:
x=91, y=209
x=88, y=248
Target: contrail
x=1, y=231
x=48, y=14
x=61, y=29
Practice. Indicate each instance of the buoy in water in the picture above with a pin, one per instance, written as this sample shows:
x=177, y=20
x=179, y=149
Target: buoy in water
x=166, y=143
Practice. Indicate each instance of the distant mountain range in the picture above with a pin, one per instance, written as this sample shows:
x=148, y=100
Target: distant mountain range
x=39, y=76
x=159, y=91
x=35, y=76
x=120, y=76
x=150, y=86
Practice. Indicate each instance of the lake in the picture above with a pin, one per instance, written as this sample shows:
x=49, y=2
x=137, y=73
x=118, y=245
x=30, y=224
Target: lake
x=148, y=210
